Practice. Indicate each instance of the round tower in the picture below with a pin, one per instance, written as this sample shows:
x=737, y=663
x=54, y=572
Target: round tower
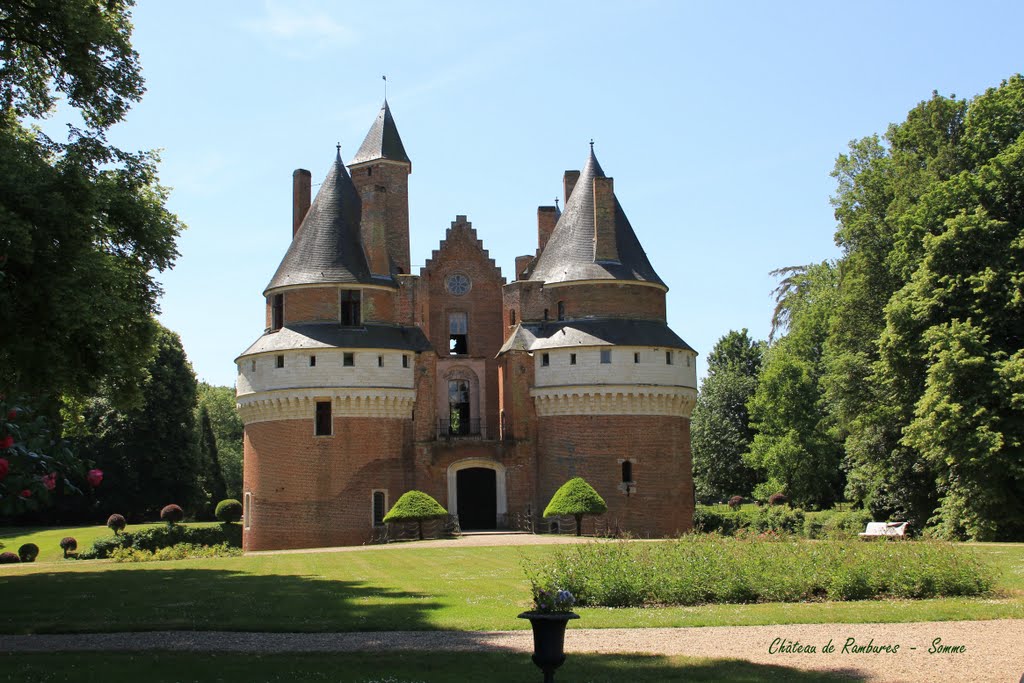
x=613, y=385
x=327, y=392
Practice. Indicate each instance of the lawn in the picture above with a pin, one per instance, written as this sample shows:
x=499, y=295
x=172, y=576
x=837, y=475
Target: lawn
x=405, y=588
x=393, y=667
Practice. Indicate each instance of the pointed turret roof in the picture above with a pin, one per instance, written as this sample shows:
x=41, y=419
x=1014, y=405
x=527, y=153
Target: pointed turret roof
x=382, y=142
x=326, y=248
x=569, y=253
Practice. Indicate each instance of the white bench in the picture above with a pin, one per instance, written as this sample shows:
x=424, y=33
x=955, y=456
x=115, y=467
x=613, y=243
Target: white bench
x=885, y=529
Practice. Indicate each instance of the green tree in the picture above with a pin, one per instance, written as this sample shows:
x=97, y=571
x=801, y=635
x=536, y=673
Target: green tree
x=212, y=480
x=149, y=453
x=415, y=506
x=720, y=426
x=219, y=403
x=83, y=227
x=793, y=446
x=576, y=498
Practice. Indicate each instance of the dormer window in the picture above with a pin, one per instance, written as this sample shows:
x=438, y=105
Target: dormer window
x=277, y=312
x=458, y=331
x=351, y=305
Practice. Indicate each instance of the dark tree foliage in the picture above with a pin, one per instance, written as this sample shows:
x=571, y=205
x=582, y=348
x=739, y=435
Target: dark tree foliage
x=83, y=226
x=148, y=453
x=219, y=403
x=212, y=480
x=720, y=426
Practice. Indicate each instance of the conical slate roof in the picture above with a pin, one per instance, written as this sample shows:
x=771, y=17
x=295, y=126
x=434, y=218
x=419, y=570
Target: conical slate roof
x=326, y=248
x=569, y=253
x=382, y=142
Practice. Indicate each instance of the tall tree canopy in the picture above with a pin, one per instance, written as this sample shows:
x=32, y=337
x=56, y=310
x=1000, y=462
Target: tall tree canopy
x=720, y=424
x=227, y=427
x=83, y=225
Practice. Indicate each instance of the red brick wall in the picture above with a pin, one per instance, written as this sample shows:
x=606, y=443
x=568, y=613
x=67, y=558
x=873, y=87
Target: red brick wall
x=311, y=304
x=378, y=305
x=590, y=446
x=317, y=491
x=390, y=206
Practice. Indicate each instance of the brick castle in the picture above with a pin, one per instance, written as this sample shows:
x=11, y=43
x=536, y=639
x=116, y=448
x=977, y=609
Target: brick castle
x=370, y=380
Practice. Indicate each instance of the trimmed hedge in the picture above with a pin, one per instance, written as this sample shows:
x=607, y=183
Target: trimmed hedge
x=156, y=538
x=779, y=519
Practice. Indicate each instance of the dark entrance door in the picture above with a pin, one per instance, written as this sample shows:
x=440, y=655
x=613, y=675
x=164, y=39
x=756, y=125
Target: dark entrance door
x=478, y=501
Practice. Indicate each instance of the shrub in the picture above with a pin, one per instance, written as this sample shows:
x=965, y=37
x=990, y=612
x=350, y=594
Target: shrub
x=415, y=506
x=154, y=538
x=180, y=551
x=228, y=511
x=836, y=524
x=735, y=502
x=9, y=558
x=576, y=498
x=116, y=523
x=172, y=514
x=69, y=545
x=28, y=552
x=777, y=499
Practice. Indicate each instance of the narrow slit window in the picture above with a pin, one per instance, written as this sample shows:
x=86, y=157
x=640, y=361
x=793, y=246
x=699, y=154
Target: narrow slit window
x=545, y=314
x=351, y=305
x=458, y=334
x=380, y=507
x=606, y=356
x=312, y=361
x=380, y=361
x=348, y=359
x=636, y=357
x=572, y=359
x=627, y=472
x=277, y=312
x=545, y=359
x=405, y=360
x=323, y=418
x=512, y=317
x=247, y=510
x=279, y=362
x=668, y=358
x=561, y=310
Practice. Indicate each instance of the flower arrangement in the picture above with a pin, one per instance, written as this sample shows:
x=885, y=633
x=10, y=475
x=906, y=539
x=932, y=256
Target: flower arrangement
x=551, y=601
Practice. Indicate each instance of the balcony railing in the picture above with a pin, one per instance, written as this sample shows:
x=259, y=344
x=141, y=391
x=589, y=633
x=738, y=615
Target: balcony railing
x=455, y=429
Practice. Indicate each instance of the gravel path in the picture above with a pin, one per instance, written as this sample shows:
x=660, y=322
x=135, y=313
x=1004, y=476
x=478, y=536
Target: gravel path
x=992, y=650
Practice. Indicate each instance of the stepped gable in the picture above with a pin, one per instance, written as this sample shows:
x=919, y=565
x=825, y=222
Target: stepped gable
x=382, y=142
x=461, y=228
x=570, y=252
x=326, y=249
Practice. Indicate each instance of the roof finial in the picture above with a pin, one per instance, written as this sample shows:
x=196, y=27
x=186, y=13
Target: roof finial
x=556, y=203
x=591, y=144
x=338, y=147
x=385, y=88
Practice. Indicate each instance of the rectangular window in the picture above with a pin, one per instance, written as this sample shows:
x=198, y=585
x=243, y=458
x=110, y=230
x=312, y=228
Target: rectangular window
x=348, y=359
x=380, y=507
x=405, y=360
x=312, y=361
x=668, y=358
x=458, y=332
x=512, y=318
x=561, y=310
x=627, y=472
x=380, y=361
x=545, y=359
x=351, y=300
x=323, y=418
x=277, y=312
x=636, y=357
x=572, y=359
x=606, y=356
x=254, y=366
x=247, y=510
x=279, y=362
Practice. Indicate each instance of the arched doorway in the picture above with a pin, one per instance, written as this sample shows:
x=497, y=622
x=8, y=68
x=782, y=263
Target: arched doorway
x=476, y=493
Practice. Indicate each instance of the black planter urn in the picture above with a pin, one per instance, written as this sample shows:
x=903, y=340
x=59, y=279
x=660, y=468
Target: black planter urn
x=549, y=639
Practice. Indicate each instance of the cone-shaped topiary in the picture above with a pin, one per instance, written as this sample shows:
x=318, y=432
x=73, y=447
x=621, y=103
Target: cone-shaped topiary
x=577, y=498
x=228, y=510
x=415, y=506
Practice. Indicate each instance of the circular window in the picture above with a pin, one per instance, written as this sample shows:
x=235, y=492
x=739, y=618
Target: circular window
x=458, y=284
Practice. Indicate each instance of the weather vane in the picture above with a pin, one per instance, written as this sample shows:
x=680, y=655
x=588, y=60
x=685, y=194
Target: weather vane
x=385, y=87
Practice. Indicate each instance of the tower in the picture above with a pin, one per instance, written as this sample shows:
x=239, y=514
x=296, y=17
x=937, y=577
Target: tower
x=327, y=392
x=612, y=385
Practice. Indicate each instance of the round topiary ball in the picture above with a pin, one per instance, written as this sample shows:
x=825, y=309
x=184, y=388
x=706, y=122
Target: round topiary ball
x=172, y=513
x=735, y=502
x=9, y=558
x=777, y=499
x=68, y=544
x=116, y=523
x=228, y=510
x=28, y=552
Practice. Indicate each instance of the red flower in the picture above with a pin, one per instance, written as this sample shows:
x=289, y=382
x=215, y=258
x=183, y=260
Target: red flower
x=26, y=494
x=50, y=481
x=12, y=414
x=6, y=442
x=94, y=477
x=5, y=467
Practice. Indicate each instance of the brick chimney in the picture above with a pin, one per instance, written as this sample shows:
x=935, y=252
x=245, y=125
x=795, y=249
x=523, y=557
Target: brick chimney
x=605, y=246
x=522, y=262
x=569, y=182
x=373, y=228
x=301, y=188
x=547, y=216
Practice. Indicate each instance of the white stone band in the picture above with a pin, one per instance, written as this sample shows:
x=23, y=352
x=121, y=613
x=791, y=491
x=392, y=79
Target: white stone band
x=300, y=404
x=604, y=399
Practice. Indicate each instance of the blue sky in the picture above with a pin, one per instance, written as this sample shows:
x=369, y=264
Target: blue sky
x=720, y=123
